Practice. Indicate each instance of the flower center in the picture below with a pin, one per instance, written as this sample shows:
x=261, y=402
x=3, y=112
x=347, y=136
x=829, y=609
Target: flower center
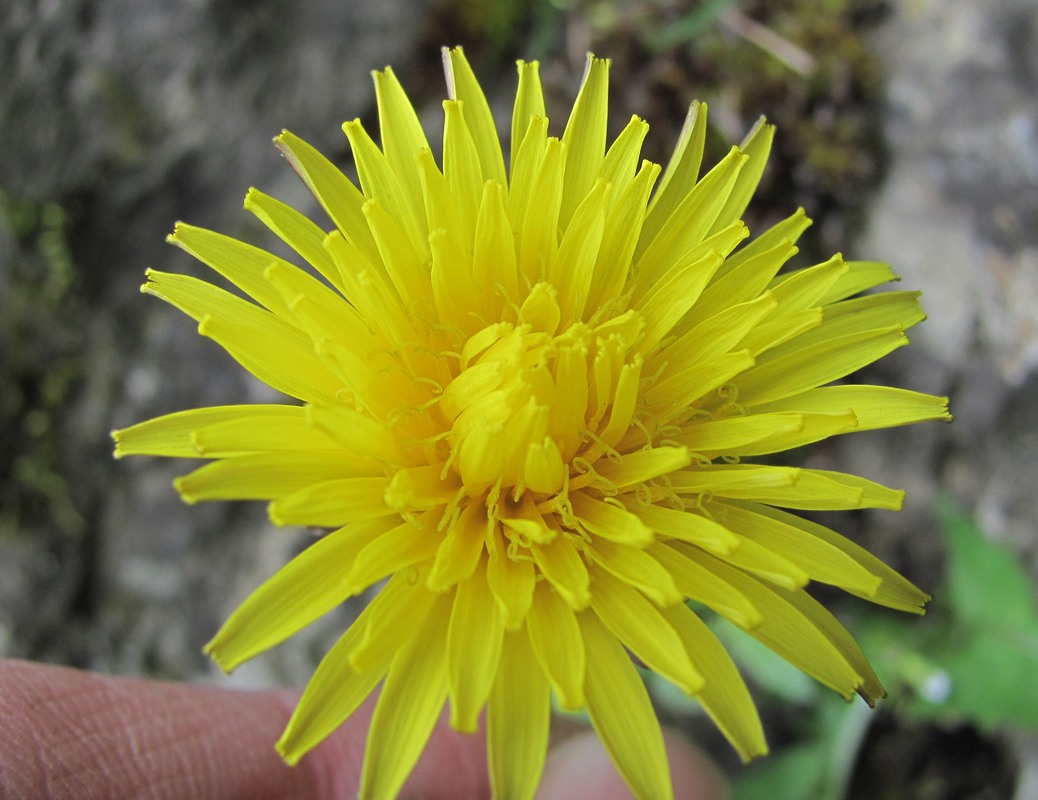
x=532, y=408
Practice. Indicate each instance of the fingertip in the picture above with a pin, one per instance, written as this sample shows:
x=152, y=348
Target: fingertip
x=694, y=774
x=579, y=768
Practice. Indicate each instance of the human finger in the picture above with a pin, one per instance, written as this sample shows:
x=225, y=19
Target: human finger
x=579, y=768
x=74, y=734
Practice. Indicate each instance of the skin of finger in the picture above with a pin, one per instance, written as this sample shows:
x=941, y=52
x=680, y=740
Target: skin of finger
x=579, y=768
x=73, y=734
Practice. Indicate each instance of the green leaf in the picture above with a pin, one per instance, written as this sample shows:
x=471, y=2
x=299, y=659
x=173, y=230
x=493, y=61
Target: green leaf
x=991, y=679
x=793, y=774
x=986, y=584
x=977, y=656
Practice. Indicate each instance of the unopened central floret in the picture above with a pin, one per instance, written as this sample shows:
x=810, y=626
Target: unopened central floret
x=532, y=404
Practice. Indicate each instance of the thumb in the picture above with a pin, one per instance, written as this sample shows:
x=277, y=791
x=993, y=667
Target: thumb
x=579, y=768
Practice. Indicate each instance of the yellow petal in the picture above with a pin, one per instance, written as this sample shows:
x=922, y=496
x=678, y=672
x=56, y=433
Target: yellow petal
x=674, y=293
x=463, y=86
x=562, y=565
x=622, y=713
x=296, y=230
x=780, y=328
x=358, y=433
x=529, y=103
x=525, y=524
x=883, y=310
x=402, y=137
x=757, y=147
x=822, y=560
x=368, y=288
x=643, y=630
x=461, y=165
x=403, y=602
x=171, y=435
x=557, y=643
x=894, y=591
x=639, y=569
x=873, y=495
x=818, y=364
x=758, y=560
x=736, y=479
x=643, y=465
x=274, y=351
x=860, y=275
x=786, y=232
x=814, y=428
x=679, y=390
x=741, y=279
x=331, y=503
x=441, y=206
x=785, y=628
x=687, y=526
x=306, y=588
x=512, y=582
x=572, y=270
x=585, y=136
x=458, y=554
x=681, y=172
x=714, y=336
x=421, y=487
x=407, y=544
x=873, y=406
x=405, y=263
x=621, y=159
x=407, y=710
x=691, y=220
x=457, y=298
x=545, y=470
x=326, y=315
x=526, y=167
x=518, y=717
x=335, y=690
x=802, y=288
x=494, y=256
x=698, y=583
x=265, y=476
x=729, y=434
x=789, y=487
x=571, y=394
x=340, y=199
x=241, y=263
x=724, y=696
x=473, y=647
x=624, y=400
x=539, y=233
x=870, y=688
x=622, y=232
x=610, y=520
x=256, y=433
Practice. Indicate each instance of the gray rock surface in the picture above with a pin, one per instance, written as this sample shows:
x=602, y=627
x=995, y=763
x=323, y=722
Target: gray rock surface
x=120, y=118
x=957, y=216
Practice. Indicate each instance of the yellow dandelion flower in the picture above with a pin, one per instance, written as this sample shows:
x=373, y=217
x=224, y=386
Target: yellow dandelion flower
x=529, y=400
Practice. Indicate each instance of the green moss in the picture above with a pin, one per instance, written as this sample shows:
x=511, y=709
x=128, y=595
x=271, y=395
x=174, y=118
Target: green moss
x=805, y=64
x=40, y=367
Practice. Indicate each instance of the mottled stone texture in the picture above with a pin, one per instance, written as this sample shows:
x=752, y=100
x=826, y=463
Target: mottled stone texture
x=957, y=216
x=118, y=119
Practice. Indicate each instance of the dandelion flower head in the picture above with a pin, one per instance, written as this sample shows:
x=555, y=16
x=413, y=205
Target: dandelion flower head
x=526, y=401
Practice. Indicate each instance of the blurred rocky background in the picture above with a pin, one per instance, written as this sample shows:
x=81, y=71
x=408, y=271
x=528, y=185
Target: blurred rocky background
x=909, y=131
